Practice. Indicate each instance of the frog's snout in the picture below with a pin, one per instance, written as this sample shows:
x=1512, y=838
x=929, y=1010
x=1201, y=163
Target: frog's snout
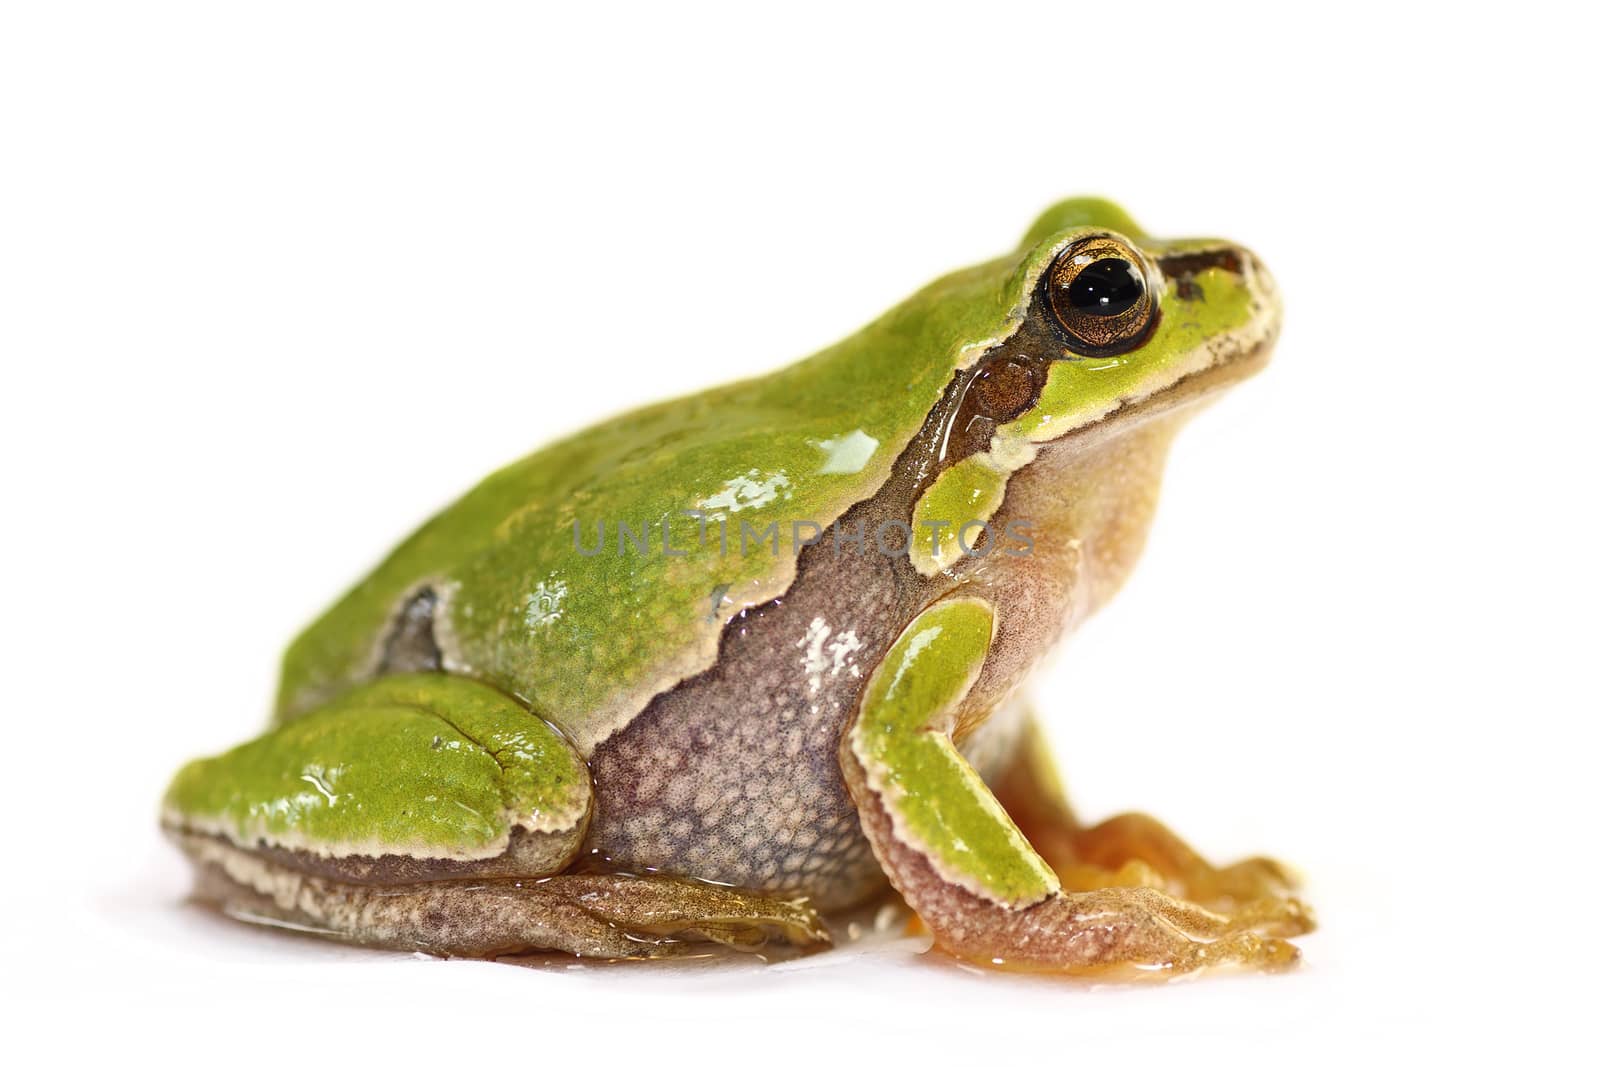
x=1266, y=307
x=1185, y=271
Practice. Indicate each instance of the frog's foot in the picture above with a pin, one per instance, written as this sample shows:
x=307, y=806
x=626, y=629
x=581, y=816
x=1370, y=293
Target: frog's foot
x=963, y=865
x=1137, y=850
x=1133, y=931
x=602, y=916
x=434, y=813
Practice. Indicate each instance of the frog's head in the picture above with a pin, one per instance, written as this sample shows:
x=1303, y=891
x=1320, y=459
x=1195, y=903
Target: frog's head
x=1106, y=328
x=1133, y=323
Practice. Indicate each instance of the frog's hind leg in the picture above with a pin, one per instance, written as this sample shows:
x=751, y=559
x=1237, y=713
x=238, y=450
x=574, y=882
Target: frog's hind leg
x=431, y=813
x=1134, y=849
x=602, y=916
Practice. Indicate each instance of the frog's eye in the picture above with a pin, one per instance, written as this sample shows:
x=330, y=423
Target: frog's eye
x=1098, y=291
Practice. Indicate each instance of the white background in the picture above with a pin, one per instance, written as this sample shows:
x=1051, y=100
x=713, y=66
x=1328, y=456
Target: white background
x=278, y=280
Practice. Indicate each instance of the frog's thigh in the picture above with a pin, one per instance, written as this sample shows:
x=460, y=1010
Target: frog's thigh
x=1134, y=849
x=960, y=861
x=429, y=812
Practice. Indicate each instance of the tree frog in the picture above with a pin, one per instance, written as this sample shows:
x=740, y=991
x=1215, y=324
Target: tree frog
x=717, y=668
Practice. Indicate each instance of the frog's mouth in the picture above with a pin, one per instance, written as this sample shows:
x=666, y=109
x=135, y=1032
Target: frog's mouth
x=1239, y=360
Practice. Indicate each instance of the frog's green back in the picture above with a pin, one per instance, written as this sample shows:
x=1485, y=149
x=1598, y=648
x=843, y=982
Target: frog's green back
x=587, y=639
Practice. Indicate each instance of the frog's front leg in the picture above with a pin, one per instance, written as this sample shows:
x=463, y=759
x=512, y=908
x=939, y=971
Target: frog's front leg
x=433, y=813
x=959, y=859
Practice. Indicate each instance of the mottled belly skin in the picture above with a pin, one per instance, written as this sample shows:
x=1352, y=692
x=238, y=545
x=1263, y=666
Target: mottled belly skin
x=733, y=776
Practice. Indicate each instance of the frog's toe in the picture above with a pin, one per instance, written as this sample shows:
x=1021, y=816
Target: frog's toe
x=1278, y=916
x=1208, y=938
x=1256, y=877
x=1241, y=949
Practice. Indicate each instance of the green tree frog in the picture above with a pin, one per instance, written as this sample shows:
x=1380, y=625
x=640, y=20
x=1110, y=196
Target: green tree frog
x=717, y=668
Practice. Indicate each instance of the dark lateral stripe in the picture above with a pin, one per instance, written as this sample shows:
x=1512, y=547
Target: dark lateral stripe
x=1189, y=263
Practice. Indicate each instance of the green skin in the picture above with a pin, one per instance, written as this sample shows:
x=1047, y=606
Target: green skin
x=912, y=761
x=461, y=765
x=539, y=650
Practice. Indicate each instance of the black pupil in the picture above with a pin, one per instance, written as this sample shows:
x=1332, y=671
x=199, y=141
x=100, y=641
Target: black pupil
x=1106, y=287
